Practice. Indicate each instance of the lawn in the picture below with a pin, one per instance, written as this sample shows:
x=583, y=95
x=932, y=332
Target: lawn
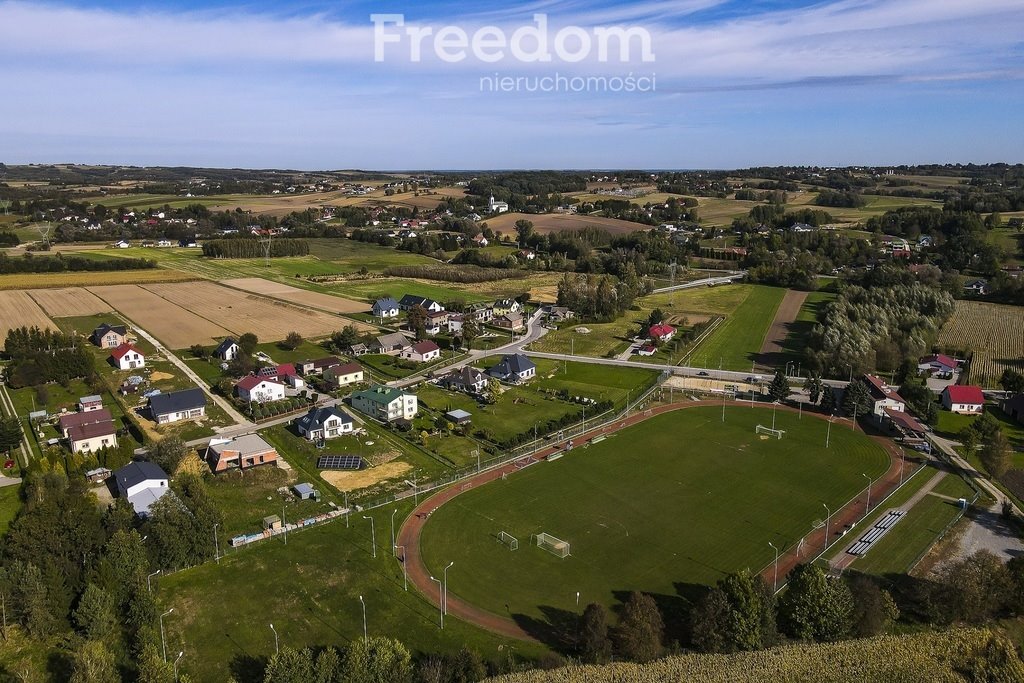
x=599, y=382
x=10, y=504
x=736, y=343
x=679, y=500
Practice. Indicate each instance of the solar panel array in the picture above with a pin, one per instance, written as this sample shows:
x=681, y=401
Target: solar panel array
x=340, y=462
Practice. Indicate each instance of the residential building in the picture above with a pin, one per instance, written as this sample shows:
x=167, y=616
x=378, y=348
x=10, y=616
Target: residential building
x=459, y=417
x=386, y=404
x=937, y=363
x=480, y=241
x=647, y=350
x=240, y=453
x=422, y=352
x=662, y=332
x=390, y=344
x=187, y=404
x=108, y=336
x=127, y=357
x=255, y=389
x=325, y=423
x=227, y=350
x=318, y=366
x=338, y=376
x=509, y=321
x=88, y=403
x=882, y=397
x=467, y=379
x=513, y=368
x=385, y=308
x=455, y=323
x=505, y=306
x=410, y=300
x=142, y=483
x=966, y=400
x=68, y=421
x=358, y=350
x=977, y=287
x=436, y=322
x=88, y=438
x=480, y=312
x=558, y=313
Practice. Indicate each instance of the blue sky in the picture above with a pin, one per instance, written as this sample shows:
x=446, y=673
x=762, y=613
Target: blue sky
x=296, y=84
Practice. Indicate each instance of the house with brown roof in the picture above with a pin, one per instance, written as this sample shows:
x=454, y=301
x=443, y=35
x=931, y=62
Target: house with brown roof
x=882, y=397
x=422, y=352
x=91, y=437
x=108, y=336
x=69, y=421
x=338, y=376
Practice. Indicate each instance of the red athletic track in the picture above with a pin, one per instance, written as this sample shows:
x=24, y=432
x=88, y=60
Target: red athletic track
x=412, y=528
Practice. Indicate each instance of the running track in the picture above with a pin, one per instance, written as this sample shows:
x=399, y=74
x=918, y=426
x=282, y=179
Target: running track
x=412, y=528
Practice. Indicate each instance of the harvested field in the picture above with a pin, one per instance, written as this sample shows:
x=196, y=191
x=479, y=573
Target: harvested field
x=239, y=312
x=69, y=301
x=546, y=223
x=89, y=278
x=278, y=290
x=350, y=481
x=175, y=326
x=773, y=351
x=993, y=333
x=17, y=309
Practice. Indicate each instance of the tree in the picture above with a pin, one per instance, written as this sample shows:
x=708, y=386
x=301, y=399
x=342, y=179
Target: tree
x=247, y=343
x=828, y=399
x=1012, y=381
x=640, y=629
x=779, y=388
x=290, y=666
x=152, y=669
x=470, y=331
x=996, y=455
x=168, y=453
x=292, y=341
x=1015, y=569
x=592, y=639
x=977, y=588
x=656, y=317
x=198, y=350
x=95, y=615
x=92, y=662
x=751, y=623
x=874, y=609
x=710, y=620
x=815, y=607
x=856, y=400
x=377, y=660
x=10, y=433
x=524, y=229
x=416, y=317
x=345, y=338
x=814, y=387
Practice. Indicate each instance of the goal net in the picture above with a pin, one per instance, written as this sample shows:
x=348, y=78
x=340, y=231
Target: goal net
x=768, y=431
x=555, y=546
x=509, y=540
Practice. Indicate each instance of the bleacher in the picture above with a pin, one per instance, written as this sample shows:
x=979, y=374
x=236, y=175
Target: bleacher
x=881, y=528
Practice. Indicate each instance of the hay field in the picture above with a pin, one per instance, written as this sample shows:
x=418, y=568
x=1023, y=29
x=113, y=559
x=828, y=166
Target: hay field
x=994, y=333
x=175, y=326
x=17, y=309
x=69, y=301
x=239, y=312
x=279, y=290
x=553, y=222
x=88, y=278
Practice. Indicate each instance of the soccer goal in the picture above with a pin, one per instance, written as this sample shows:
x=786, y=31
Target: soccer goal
x=555, y=546
x=777, y=433
x=509, y=540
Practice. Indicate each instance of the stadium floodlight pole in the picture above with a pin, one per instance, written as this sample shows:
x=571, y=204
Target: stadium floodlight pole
x=444, y=600
x=405, y=568
x=363, y=603
x=723, y=404
x=867, y=503
x=347, y=510
x=903, y=464
x=440, y=600
x=577, y=599
x=853, y=420
x=828, y=518
x=277, y=643
x=284, y=525
x=828, y=430
x=393, y=546
x=373, y=535
x=775, y=404
x=163, y=641
x=216, y=542
x=775, y=583
x=149, y=580
x=178, y=659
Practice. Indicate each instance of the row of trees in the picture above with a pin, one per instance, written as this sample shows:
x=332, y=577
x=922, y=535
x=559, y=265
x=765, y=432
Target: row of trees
x=30, y=263
x=42, y=356
x=245, y=247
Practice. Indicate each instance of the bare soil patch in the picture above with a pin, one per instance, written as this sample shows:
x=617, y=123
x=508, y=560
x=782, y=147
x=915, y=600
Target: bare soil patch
x=279, y=290
x=772, y=350
x=350, y=481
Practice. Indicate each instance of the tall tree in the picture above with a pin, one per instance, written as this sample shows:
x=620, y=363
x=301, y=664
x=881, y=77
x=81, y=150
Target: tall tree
x=815, y=607
x=524, y=229
x=828, y=399
x=814, y=388
x=779, y=388
x=856, y=400
x=95, y=616
x=996, y=455
x=92, y=662
x=377, y=660
x=247, y=343
x=168, y=453
x=290, y=666
x=594, y=645
x=641, y=628
x=292, y=341
x=874, y=609
x=416, y=318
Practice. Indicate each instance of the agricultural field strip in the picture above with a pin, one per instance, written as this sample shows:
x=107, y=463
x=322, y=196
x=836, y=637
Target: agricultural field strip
x=88, y=278
x=69, y=302
x=302, y=297
x=785, y=316
x=175, y=326
x=18, y=309
x=994, y=333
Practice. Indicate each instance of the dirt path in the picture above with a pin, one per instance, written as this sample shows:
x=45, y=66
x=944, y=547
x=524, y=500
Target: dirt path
x=412, y=529
x=773, y=352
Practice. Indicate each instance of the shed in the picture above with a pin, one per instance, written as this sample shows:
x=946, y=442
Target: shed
x=273, y=522
x=304, y=491
x=459, y=416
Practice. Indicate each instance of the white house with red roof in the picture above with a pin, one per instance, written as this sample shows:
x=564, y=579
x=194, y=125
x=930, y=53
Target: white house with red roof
x=284, y=373
x=966, y=400
x=127, y=357
x=661, y=332
x=883, y=396
x=256, y=389
x=422, y=352
x=938, y=363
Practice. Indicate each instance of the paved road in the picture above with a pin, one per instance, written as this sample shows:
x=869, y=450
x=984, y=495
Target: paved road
x=947, y=447
x=706, y=282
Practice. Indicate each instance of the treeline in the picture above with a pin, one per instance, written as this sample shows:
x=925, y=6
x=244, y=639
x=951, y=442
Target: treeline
x=29, y=263
x=251, y=248
x=849, y=199
x=9, y=239
x=42, y=356
x=464, y=274
x=600, y=297
x=527, y=191
x=960, y=238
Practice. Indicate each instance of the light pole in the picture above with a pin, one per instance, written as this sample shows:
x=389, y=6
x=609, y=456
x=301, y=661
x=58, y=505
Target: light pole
x=577, y=599
x=393, y=550
x=216, y=542
x=903, y=464
x=405, y=569
x=178, y=659
x=828, y=518
x=828, y=430
x=445, y=599
x=149, y=580
x=363, y=603
x=163, y=641
x=440, y=600
x=277, y=645
x=867, y=502
x=373, y=535
x=775, y=582
x=348, y=511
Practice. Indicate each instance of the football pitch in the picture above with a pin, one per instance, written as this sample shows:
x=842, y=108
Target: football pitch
x=679, y=499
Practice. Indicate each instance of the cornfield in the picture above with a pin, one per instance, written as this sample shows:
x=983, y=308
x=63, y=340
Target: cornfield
x=929, y=657
x=992, y=333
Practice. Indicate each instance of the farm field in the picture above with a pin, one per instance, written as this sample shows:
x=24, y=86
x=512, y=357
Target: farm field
x=371, y=289
x=994, y=333
x=553, y=222
x=89, y=278
x=773, y=350
x=17, y=309
x=736, y=343
x=796, y=339
x=175, y=326
x=335, y=304
x=715, y=211
x=69, y=301
x=647, y=509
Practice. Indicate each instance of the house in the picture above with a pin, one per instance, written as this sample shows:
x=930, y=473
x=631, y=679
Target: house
x=317, y=367
x=558, y=313
x=661, y=332
x=90, y=437
x=88, y=403
x=122, y=244
x=410, y=300
x=98, y=475
x=467, y=379
x=338, y=376
x=325, y=423
x=509, y=321
x=386, y=404
x=966, y=400
x=527, y=254
x=647, y=350
x=70, y=420
x=108, y=336
x=882, y=397
x=513, y=368
x=479, y=240
x=976, y=287
x=436, y=322
x=503, y=306
x=304, y=491
x=455, y=321
x=903, y=423
x=1014, y=407
x=227, y=350
x=240, y=453
x=479, y=312
x=390, y=344
x=422, y=352
x=497, y=207
x=459, y=417
x=127, y=357
x=937, y=363
x=187, y=404
x=385, y=308
x=255, y=389
x=142, y=483
x=358, y=350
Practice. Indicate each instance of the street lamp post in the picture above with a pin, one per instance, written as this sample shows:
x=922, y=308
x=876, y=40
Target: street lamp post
x=348, y=511
x=405, y=569
x=277, y=644
x=216, y=542
x=373, y=535
x=163, y=641
x=149, y=580
x=444, y=600
x=828, y=518
x=775, y=582
x=867, y=502
x=440, y=600
x=178, y=659
x=903, y=464
x=363, y=603
x=393, y=550
x=577, y=599
x=828, y=430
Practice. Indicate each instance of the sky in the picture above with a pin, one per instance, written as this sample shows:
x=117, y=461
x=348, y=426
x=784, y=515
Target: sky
x=438, y=84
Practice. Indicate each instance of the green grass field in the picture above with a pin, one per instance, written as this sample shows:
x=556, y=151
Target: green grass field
x=736, y=343
x=678, y=500
x=10, y=504
x=806, y=319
